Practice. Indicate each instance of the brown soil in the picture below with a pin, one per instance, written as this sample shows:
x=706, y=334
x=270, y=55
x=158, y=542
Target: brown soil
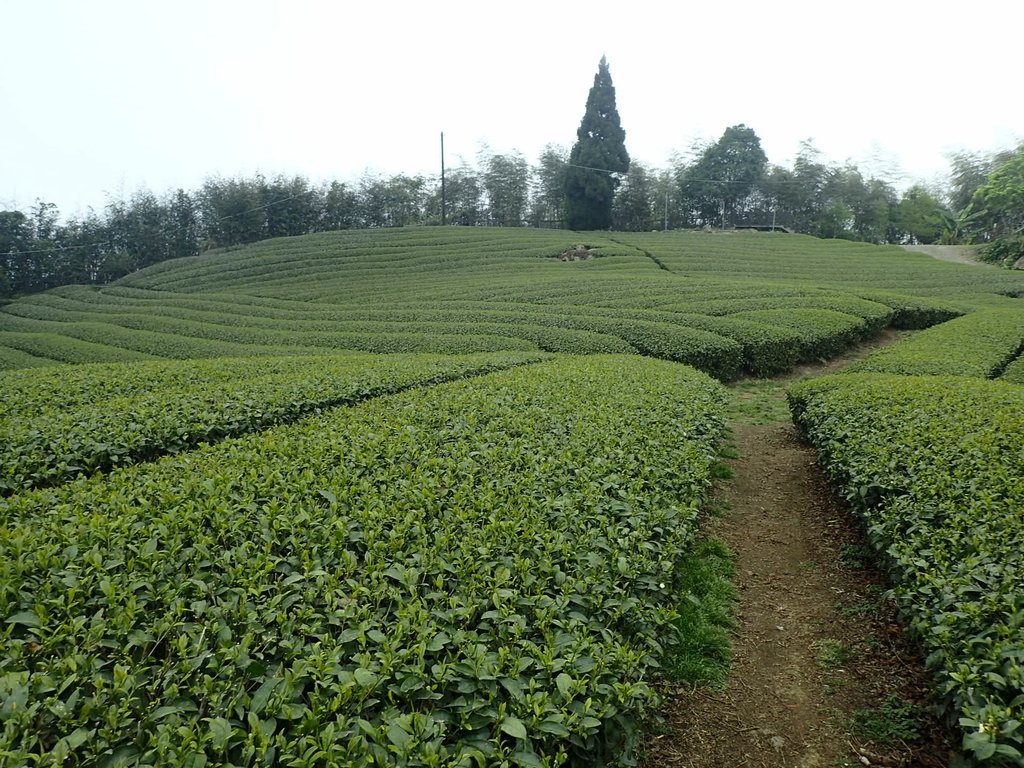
x=815, y=643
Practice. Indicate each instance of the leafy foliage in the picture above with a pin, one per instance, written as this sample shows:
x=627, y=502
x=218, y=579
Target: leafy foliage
x=921, y=216
x=725, y=174
x=894, y=722
x=999, y=202
x=981, y=345
x=934, y=466
x=598, y=154
x=823, y=332
x=481, y=572
x=1015, y=371
x=56, y=425
x=1005, y=250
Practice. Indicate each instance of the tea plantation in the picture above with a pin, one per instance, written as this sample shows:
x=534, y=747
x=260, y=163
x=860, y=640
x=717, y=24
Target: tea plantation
x=430, y=496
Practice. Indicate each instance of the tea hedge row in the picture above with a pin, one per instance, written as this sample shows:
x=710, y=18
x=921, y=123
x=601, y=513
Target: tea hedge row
x=808, y=260
x=331, y=265
x=12, y=358
x=66, y=349
x=823, y=332
x=151, y=344
x=981, y=345
x=720, y=345
x=244, y=302
x=914, y=312
x=183, y=340
x=138, y=412
x=352, y=328
x=481, y=572
x=876, y=316
x=297, y=262
x=936, y=470
x=1015, y=371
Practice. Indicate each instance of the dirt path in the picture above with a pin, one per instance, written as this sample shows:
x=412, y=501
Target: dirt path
x=961, y=254
x=821, y=674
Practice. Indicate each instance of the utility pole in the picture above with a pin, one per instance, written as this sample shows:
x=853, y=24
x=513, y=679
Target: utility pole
x=443, y=201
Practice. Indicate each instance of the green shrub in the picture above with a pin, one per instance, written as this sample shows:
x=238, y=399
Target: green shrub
x=934, y=467
x=981, y=345
x=481, y=572
x=1004, y=250
x=56, y=427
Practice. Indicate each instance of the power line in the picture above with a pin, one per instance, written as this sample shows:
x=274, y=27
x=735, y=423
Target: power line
x=588, y=168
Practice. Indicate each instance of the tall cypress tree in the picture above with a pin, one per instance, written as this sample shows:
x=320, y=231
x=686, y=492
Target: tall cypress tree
x=598, y=154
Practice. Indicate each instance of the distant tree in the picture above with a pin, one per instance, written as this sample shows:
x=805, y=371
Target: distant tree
x=290, y=206
x=835, y=221
x=463, y=197
x=27, y=248
x=339, y=207
x=810, y=173
x=717, y=186
x=957, y=227
x=998, y=204
x=181, y=225
x=138, y=229
x=968, y=172
x=506, y=182
x=598, y=155
x=874, y=219
x=232, y=211
x=548, y=202
x=633, y=207
x=920, y=217
x=89, y=255
x=671, y=211
x=396, y=201
x=16, y=238
x=855, y=209
x=44, y=220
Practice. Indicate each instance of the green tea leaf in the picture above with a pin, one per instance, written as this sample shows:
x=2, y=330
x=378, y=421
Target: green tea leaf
x=514, y=727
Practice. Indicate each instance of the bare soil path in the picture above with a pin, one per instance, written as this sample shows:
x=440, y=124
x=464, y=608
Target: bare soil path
x=961, y=254
x=821, y=674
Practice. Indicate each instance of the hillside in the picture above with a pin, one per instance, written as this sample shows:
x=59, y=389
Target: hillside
x=242, y=536
x=727, y=303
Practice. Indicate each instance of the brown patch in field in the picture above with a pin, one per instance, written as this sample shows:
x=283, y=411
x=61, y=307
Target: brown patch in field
x=576, y=253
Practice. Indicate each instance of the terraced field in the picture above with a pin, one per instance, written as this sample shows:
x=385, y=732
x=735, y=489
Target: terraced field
x=429, y=497
x=712, y=301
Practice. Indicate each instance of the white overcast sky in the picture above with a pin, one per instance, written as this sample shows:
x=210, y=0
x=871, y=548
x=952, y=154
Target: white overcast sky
x=100, y=98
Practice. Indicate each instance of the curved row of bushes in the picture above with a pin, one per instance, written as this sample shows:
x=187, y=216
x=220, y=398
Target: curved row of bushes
x=978, y=345
x=934, y=466
x=100, y=417
x=761, y=342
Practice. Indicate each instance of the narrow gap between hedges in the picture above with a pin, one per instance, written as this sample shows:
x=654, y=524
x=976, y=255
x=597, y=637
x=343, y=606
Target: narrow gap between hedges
x=645, y=252
x=822, y=674
x=1010, y=360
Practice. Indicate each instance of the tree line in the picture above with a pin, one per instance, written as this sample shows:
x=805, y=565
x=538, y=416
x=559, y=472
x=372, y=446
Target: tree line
x=725, y=183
